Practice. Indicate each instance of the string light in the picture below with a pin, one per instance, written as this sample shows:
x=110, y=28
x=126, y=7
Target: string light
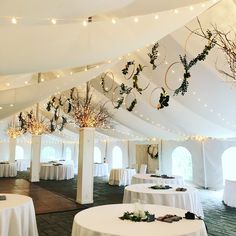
x=54, y=21
x=136, y=20
x=85, y=23
x=176, y=11
x=14, y=20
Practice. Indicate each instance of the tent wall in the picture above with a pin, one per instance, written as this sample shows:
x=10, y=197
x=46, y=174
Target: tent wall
x=206, y=160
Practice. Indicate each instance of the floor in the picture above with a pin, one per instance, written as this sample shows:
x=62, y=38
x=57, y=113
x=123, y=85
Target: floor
x=219, y=218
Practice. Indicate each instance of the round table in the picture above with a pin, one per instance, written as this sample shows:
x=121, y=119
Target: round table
x=229, y=193
x=56, y=172
x=17, y=216
x=8, y=170
x=100, y=169
x=121, y=176
x=146, y=178
x=104, y=221
x=188, y=200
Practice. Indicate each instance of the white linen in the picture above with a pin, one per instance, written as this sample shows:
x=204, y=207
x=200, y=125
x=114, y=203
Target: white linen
x=146, y=178
x=104, y=221
x=61, y=172
x=22, y=165
x=121, y=176
x=17, y=216
x=229, y=193
x=188, y=200
x=100, y=169
x=8, y=170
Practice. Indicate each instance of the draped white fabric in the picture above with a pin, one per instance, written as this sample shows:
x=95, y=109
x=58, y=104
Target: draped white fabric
x=100, y=169
x=60, y=172
x=121, y=176
x=104, y=221
x=146, y=178
x=17, y=216
x=188, y=200
x=8, y=170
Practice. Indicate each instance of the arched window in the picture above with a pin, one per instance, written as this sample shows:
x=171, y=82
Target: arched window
x=48, y=154
x=182, y=163
x=117, y=157
x=97, y=155
x=228, y=164
x=68, y=154
x=19, y=152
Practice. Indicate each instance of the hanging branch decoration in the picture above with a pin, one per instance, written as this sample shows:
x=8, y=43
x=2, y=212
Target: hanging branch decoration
x=154, y=55
x=83, y=111
x=164, y=99
x=226, y=42
x=188, y=65
x=151, y=153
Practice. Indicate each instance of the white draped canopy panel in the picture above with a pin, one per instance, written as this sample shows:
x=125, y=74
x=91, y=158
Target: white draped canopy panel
x=33, y=46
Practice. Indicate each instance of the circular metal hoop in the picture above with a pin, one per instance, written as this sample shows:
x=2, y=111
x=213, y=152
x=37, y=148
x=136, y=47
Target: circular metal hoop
x=151, y=95
x=187, y=39
x=164, y=58
x=166, y=74
x=105, y=89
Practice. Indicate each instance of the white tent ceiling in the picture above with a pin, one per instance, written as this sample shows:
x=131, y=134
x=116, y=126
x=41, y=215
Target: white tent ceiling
x=70, y=53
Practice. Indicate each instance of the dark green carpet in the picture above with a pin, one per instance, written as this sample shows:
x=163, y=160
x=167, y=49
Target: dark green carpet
x=220, y=219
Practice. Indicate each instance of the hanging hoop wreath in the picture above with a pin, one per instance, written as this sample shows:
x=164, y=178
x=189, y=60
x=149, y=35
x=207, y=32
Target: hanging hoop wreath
x=150, y=152
x=163, y=99
x=104, y=87
x=132, y=104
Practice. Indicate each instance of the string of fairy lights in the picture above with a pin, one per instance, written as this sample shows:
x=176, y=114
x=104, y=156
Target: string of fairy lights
x=19, y=20
x=85, y=23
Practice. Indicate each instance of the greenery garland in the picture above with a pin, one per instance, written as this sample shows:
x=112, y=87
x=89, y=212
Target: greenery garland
x=187, y=66
x=152, y=155
x=138, y=217
x=154, y=55
x=164, y=99
x=125, y=71
x=119, y=102
x=132, y=105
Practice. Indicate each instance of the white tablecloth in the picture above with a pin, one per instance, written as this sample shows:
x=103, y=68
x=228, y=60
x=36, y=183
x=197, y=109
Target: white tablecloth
x=229, y=193
x=22, y=165
x=17, y=216
x=100, y=169
x=104, y=221
x=8, y=170
x=146, y=178
x=188, y=200
x=61, y=172
x=121, y=176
